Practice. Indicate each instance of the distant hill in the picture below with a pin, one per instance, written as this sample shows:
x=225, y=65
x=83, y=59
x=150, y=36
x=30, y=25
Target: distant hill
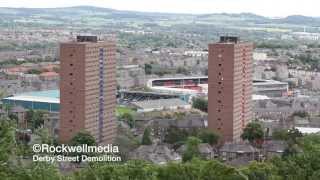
x=242, y=17
x=249, y=16
x=73, y=11
x=81, y=12
x=298, y=19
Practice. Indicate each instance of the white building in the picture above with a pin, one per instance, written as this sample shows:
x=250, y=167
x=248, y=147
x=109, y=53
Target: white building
x=160, y=105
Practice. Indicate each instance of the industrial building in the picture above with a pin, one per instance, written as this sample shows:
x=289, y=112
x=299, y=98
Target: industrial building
x=160, y=104
x=38, y=100
x=270, y=88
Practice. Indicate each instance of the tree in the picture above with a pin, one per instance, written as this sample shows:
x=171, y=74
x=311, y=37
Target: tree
x=301, y=114
x=148, y=69
x=7, y=140
x=35, y=119
x=261, y=171
x=182, y=70
x=293, y=135
x=44, y=136
x=133, y=170
x=34, y=71
x=146, y=139
x=128, y=119
x=178, y=171
x=289, y=135
x=253, y=132
x=179, y=115
x=192, y=150
x=310, y=143
x=214, y=170
x=7, y=108
x=56, y=69
x=37, y=170
x=7, y=146
x=201, y=104
x=208, y=136
x=281, y=134
x=83, y=137
x=199, y=170
x=13, y=117
x=304, y=164
x=175, y=135
x=291, y=150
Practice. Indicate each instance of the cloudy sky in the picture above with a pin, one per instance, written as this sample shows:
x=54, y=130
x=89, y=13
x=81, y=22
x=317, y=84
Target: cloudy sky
x=271, y=8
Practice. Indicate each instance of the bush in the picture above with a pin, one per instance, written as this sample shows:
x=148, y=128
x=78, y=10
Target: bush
x=146, y=139
x=201, y=104
x=208, y=136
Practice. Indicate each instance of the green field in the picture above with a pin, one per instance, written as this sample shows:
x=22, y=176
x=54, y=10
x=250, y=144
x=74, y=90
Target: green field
x=120, y=110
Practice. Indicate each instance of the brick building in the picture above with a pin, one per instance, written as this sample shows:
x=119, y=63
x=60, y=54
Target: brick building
x=88, y=89
x=230, y=87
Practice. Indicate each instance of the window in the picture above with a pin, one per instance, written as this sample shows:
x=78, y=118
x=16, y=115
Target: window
x=70, y=74
x=71, y=64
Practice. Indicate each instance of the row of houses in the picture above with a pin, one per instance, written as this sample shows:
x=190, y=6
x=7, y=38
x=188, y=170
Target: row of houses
x=235, y=154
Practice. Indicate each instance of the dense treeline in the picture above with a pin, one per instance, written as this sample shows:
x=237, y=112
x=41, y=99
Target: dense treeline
x=13, y=46
x=302, y=164
x=276, y=45
x=309, y=60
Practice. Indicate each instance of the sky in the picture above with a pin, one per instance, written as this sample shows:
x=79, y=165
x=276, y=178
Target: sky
x=271, y=8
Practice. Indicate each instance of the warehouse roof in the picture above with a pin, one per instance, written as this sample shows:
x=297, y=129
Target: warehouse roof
x=33, y=99
x=51, y=96
x=308, y=130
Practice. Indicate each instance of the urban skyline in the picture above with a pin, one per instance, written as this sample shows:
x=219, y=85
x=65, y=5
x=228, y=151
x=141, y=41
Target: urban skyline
x=221, y=95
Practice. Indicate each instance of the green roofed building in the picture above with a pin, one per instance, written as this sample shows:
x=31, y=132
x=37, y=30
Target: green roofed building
x=38, y=100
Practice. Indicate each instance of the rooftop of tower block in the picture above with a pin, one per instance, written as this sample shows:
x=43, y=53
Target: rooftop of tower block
x=87, y=39
x=229, y=39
